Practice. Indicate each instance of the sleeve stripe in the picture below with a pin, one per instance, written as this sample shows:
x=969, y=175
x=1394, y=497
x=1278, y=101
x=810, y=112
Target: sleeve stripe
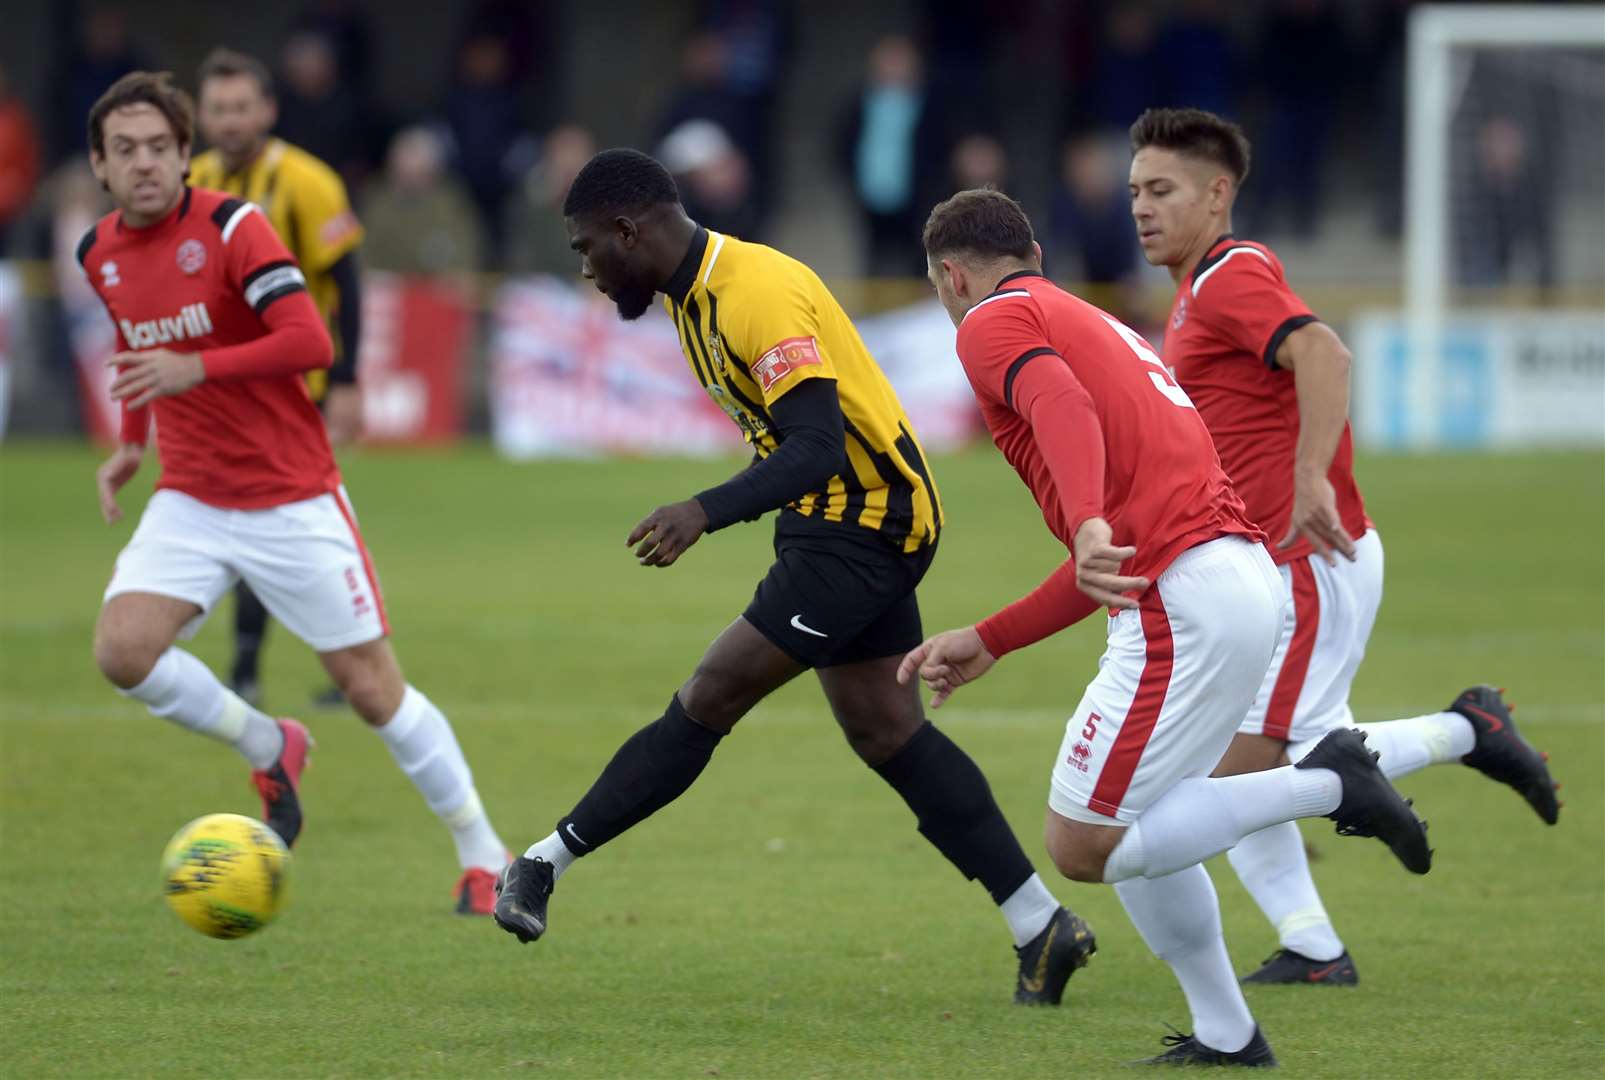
x=272, y=285
x=1288, y=326
x=262, y=304
x=267, y=267
x=1225, y=256
x=235, y=219
x=1014, y=370
x=1004, y=295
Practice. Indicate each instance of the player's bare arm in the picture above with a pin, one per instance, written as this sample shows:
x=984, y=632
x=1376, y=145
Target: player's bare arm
x=1320, y=365
x=1098, y=562
x=113, y=473
x=142, y=377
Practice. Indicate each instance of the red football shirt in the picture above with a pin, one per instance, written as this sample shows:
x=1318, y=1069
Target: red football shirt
x=1095, y=426
x=1229, y=318
x=212, y=277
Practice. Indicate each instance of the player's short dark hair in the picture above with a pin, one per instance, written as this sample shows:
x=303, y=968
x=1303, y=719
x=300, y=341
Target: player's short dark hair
x=619, y=181
x=981, y=222
x=1194, y=133
x=154, y=88
x=225, y=63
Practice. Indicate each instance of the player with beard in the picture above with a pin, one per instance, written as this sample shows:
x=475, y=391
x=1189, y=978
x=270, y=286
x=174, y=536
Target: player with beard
x=859, y=518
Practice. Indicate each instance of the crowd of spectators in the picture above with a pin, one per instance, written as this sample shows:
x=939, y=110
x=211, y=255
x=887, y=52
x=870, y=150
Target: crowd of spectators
x=476, y=182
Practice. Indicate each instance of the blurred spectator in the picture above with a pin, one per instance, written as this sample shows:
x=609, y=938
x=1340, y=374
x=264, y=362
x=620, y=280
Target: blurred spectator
x=319, y=110
x=756, y=39
x=1196, y=60
x=979, y=161
x=532, y=32
x=1303, y=67
x=705, y=95
x=490, y=146
x=893, y=147
x=19, y=158
x=537, y=241
x=713, y=175
x=349, y=31
x=419, y=219
x=1502, y=210
x=101, y=54
x=1091, y=237
x=1126, y=77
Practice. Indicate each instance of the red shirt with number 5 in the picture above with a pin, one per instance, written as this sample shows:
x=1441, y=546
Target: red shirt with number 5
x=1092, y=421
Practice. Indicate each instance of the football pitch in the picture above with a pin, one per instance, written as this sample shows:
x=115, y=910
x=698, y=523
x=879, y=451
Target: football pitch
x=784, y=918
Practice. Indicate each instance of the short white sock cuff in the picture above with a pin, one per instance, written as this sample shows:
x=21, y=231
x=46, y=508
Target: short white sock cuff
x=233, y=718
x=1029, y=909
x=1316, y=792
x=552, y=850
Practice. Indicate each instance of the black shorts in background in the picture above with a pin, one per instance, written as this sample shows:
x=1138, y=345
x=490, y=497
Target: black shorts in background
x=830, y=600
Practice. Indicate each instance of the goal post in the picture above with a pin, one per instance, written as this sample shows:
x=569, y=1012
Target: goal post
x=1547, y=61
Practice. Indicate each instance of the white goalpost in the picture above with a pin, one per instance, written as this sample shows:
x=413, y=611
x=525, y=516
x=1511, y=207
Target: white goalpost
x=1504, y=192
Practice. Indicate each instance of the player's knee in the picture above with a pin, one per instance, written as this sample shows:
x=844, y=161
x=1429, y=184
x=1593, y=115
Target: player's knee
x=715, y=698
x=1076, y=861
x=877, y=740
x=123, y=659
x=1079, y=864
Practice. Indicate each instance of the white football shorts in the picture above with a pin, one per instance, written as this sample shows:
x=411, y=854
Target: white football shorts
x=1306, y=690
x=305, y=560
x=1173, y=684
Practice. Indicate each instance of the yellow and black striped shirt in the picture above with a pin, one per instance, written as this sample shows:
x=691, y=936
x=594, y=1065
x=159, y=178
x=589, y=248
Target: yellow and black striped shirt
x=754, y=323
x=306, y=203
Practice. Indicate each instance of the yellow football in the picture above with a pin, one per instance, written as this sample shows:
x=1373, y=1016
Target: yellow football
x=226, y=875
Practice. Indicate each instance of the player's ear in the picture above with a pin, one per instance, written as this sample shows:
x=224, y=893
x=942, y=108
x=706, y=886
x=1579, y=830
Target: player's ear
x=97, y=165
x=627, y=230
x=1036, y=251
x=1220, y=193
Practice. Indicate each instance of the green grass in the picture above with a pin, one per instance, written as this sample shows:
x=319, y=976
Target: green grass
x=783, y=919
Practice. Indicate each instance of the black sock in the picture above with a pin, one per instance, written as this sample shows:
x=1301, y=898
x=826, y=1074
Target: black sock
x=250, y=625
x=956, y=812
x=651, y=770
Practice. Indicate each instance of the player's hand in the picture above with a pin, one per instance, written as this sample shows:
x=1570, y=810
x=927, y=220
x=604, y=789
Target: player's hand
x=142, y=377
x=665, y=534
x=1315, y=517
x=1098, y=566
x=113, y=473
x=946, y=662
x=342, y=413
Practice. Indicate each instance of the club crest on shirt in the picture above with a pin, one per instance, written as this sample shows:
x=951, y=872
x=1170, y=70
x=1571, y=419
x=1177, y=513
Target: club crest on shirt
x=1181, y=313
x=108, y=273
x=716, y=352
x=191, y=256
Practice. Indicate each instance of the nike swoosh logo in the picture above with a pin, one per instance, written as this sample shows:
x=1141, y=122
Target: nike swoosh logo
x=1320, y=973
x=797, y=624
x=1495, y=725
x=1035, y=985
x=575, y=835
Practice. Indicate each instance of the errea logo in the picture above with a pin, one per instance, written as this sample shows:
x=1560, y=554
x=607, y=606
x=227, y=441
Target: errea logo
x=192, y=321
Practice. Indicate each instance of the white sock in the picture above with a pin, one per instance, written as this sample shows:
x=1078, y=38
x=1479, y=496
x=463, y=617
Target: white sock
x=421, y=740
x=1274, y=869
x=1178, y=915
x=1028, y=910
x=1408, y=745
x=1205, y=815
x=553, y=851
x=182, y=689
